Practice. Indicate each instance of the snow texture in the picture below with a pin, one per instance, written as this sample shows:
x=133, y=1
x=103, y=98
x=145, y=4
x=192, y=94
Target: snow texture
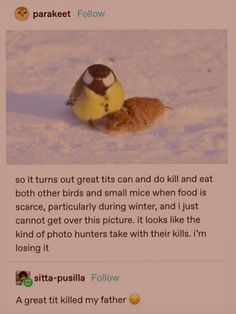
x=185, y=69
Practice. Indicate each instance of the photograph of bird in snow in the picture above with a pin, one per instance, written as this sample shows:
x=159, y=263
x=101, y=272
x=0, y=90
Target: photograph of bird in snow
x=132, y=96
x=97, y=94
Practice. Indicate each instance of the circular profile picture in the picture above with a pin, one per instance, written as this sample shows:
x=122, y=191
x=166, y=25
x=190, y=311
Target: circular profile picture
x=21, y=276
x=22, y=13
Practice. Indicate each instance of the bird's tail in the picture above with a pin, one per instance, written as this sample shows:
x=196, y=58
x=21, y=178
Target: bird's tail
x=68, y=102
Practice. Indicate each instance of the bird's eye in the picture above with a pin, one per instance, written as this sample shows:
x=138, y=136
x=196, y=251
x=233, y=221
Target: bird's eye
x=109, y=80
x=87, y=78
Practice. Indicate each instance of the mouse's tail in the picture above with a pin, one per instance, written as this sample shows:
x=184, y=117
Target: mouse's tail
x=169, y=108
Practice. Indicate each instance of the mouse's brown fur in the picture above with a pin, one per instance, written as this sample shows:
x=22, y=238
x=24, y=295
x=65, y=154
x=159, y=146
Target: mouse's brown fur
x=136, y=114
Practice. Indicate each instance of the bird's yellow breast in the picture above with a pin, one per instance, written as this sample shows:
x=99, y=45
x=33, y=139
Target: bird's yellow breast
x=91, y=106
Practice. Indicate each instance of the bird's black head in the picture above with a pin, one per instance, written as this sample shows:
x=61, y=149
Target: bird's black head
x=99, y=78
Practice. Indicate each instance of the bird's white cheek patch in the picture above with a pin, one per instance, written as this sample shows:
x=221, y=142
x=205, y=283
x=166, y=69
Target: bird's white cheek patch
x=87, y=78
x=109, y=80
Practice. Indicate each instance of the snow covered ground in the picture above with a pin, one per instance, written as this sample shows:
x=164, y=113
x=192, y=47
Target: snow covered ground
x=185, y=69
